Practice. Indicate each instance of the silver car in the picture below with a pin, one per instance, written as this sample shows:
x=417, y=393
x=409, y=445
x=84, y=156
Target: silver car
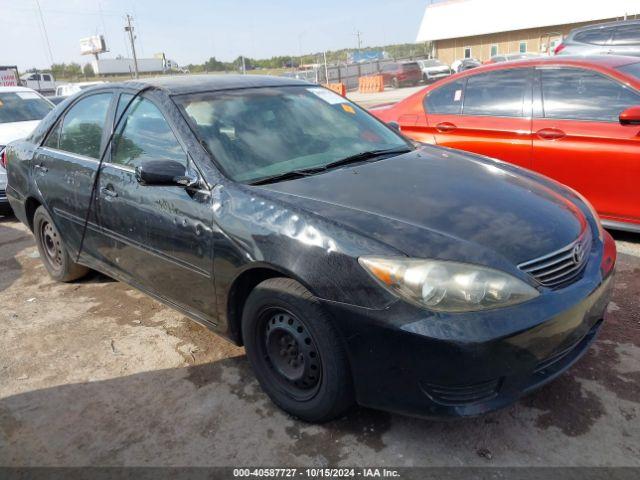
x=433, y=69
x=618, y=38
x=5, y=208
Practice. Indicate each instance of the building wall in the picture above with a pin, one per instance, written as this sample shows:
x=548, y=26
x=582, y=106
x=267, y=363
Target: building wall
x=452, y=49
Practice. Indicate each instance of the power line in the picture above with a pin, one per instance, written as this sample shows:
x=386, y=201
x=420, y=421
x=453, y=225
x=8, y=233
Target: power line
x=44, y=29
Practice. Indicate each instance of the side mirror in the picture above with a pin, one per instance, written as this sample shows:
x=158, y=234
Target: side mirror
x=165, y=172
x=631, y=116
x=395, y=126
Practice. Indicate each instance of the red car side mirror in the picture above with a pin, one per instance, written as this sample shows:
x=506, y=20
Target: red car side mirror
x=631, y=116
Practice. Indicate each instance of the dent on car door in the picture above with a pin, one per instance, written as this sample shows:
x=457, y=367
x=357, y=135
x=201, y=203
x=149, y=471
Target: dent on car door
x=160, y=235
x=64, y=167
x=578, y=139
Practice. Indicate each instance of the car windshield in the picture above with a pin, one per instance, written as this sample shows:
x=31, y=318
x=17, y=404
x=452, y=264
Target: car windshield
x=409, y=66
x=22, y=106
x=632, y=69
x=432, y=63
x=259, y=133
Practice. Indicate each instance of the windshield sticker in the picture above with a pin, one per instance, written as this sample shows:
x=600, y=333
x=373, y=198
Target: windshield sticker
x=27, y=95
x=348, y=108
x=327, y=96
x=457, y=96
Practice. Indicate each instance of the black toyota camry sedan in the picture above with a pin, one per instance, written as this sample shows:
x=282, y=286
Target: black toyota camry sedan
x=353, y=265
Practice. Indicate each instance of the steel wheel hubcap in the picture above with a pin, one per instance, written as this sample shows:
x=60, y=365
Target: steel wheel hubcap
x=292, y=352
x=51, y=244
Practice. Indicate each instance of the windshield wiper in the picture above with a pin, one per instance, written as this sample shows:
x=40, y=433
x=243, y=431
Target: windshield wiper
x=362, y=156
x=358, y=157
x=284, y=176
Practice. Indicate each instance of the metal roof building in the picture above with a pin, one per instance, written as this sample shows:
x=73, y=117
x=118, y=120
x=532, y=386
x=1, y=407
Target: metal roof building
x=481, y=28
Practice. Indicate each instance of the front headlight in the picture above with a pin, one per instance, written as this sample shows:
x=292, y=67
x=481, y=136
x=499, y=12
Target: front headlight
x=447, y=286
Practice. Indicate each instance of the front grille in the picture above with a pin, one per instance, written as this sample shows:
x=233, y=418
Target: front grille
x=562, y=266
x=462, y=394
x=3, y=195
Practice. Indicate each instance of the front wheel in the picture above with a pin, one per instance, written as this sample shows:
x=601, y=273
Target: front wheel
x=54, y=253
x=295, y=351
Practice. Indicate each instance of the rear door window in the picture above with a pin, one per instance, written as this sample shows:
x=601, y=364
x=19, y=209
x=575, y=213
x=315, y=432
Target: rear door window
x=597, y=36
x=576, y=94
x=446, y=100
x=83, y=125
x=627, y=35
x=500, y=93
x=632, y=69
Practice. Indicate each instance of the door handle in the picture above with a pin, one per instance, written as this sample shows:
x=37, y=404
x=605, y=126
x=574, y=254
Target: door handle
x=41, y=168
x=445, y=127
x=108, y=192
x=550, y=133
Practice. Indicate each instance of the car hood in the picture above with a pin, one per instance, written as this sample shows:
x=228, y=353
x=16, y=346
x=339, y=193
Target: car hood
x=437, y=203
x=16, y=130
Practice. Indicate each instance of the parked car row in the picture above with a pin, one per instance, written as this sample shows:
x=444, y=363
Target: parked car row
x=574, y=119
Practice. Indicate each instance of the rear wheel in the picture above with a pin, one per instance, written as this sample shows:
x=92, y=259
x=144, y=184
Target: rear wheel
x=53, y=251
x=295, y=352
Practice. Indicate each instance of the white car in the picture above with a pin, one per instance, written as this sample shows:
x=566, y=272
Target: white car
x=69, y=89
x=21, y=109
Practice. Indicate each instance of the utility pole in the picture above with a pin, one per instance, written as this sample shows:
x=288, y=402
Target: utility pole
x=129, y=28
x=358, y=35
x=326, y=69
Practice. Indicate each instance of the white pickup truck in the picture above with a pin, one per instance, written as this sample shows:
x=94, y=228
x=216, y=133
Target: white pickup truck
x=40, y=82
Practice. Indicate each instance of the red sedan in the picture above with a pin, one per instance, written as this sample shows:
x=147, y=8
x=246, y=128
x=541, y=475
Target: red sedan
x=576, y=120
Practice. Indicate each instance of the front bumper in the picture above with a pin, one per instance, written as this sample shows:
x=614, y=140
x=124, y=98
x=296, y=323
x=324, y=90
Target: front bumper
x=437, y=76
x=411, y=361
x=5, y=208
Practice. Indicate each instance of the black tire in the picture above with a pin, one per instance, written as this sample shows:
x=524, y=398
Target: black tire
x=54, y=253
x=395, y=83
x=295, y=352
x=5, y=210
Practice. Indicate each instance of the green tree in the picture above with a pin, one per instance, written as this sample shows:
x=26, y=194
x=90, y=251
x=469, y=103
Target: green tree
x=88, y=70
x=73, y=70
x=213, y=65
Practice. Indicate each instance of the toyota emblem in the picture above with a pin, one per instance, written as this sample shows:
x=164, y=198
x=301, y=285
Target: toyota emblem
x=578, y=253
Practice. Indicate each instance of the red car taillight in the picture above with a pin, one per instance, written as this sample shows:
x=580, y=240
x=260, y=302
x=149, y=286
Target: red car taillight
x=3, y=158
x=559, y=48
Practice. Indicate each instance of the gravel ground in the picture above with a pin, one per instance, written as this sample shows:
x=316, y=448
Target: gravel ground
x=95, y=373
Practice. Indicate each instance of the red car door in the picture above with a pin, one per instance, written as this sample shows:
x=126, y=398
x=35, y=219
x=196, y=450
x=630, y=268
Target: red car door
x=486, y=113
x=579, y=141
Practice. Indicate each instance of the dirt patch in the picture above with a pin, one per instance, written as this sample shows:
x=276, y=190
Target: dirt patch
x=567, y=406
x=366, y=426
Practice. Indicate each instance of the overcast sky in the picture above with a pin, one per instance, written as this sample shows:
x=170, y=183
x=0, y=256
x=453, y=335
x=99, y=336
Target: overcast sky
x=191, y=31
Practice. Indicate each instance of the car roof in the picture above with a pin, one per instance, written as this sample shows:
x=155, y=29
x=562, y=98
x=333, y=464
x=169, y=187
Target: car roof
x=605, y=61
x=595, y=26
x=183, y=84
